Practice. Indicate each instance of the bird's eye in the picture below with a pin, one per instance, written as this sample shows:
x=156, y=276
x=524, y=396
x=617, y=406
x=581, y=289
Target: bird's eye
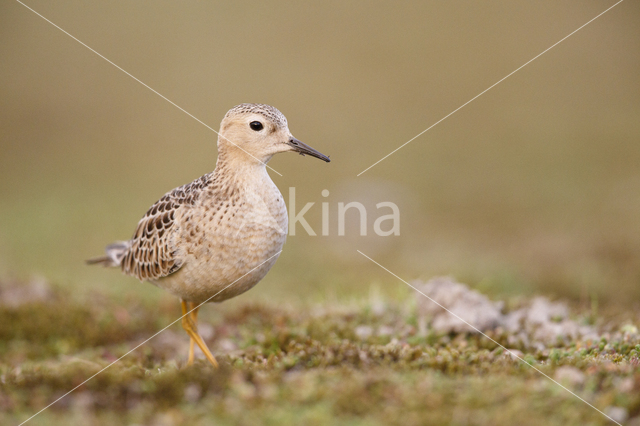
x=256, y=125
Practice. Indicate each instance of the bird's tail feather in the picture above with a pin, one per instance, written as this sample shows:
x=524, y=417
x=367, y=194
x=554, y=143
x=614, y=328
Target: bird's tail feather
x=115, y=253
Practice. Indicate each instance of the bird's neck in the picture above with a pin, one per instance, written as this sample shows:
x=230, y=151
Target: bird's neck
x=241, y=170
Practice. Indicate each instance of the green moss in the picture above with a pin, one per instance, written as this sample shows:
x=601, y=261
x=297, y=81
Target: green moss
x=293, y=366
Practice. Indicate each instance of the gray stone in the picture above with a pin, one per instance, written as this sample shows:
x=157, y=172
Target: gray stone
x=363, y=332
x=538, y=325
x=475, y=311
x=568, y=375
x=619, y=414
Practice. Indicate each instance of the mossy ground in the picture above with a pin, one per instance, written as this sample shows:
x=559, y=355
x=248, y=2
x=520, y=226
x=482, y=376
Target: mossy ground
x=293, y=365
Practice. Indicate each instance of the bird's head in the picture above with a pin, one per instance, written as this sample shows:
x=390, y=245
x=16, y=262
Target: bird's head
x=256, y=132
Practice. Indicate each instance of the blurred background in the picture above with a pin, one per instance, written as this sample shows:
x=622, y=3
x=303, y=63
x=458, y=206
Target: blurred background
x=532, y=188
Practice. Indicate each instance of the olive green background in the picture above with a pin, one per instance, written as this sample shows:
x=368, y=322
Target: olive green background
x=532, y=188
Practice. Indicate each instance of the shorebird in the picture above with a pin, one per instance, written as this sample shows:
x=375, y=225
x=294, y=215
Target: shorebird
x=216, y=237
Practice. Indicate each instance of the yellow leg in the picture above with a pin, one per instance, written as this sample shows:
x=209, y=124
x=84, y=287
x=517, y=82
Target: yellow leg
x=194, y=318
x=192, y=330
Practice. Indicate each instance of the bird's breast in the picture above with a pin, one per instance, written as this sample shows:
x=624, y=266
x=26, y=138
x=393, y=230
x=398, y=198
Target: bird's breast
x=228, y=243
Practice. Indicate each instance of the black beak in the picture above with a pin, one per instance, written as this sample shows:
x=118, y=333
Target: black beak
x=305, y=149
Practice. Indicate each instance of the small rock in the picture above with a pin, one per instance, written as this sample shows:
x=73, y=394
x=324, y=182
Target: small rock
x=378, y=304
x=545, y=323
x=192, y=393
x=83, y=400
x=619, y=414
x=170, y=343
x=519, y=338
x=227, y=345
x=475, y=309
x=14, y=294
x=542, y=310
x=536, y=326
x=207, y=331
x=569, y=375
x=550, y=332
x=514, y=354
x=268, y=391
x=363, y=332
x=626, y=385
x=385, y=330
x=514, y=321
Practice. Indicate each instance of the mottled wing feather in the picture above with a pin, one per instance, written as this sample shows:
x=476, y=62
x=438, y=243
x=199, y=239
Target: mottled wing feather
x=152, y=254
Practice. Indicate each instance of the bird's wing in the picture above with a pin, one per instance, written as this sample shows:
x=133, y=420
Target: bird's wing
x=152, y=253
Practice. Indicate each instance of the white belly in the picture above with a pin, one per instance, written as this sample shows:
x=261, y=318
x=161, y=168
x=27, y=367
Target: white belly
x=226, y=249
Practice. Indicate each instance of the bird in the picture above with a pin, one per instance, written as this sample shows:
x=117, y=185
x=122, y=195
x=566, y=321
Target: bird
x=218, y=236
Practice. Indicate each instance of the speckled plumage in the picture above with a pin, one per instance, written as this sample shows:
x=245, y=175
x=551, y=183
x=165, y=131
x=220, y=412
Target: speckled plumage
x=217, y=236
x=267, y=111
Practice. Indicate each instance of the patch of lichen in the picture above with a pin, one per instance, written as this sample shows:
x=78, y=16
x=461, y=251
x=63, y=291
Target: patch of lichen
x=296, y=365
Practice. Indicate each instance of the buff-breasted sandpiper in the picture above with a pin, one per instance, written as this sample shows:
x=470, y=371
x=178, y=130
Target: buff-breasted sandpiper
x=216, y=237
